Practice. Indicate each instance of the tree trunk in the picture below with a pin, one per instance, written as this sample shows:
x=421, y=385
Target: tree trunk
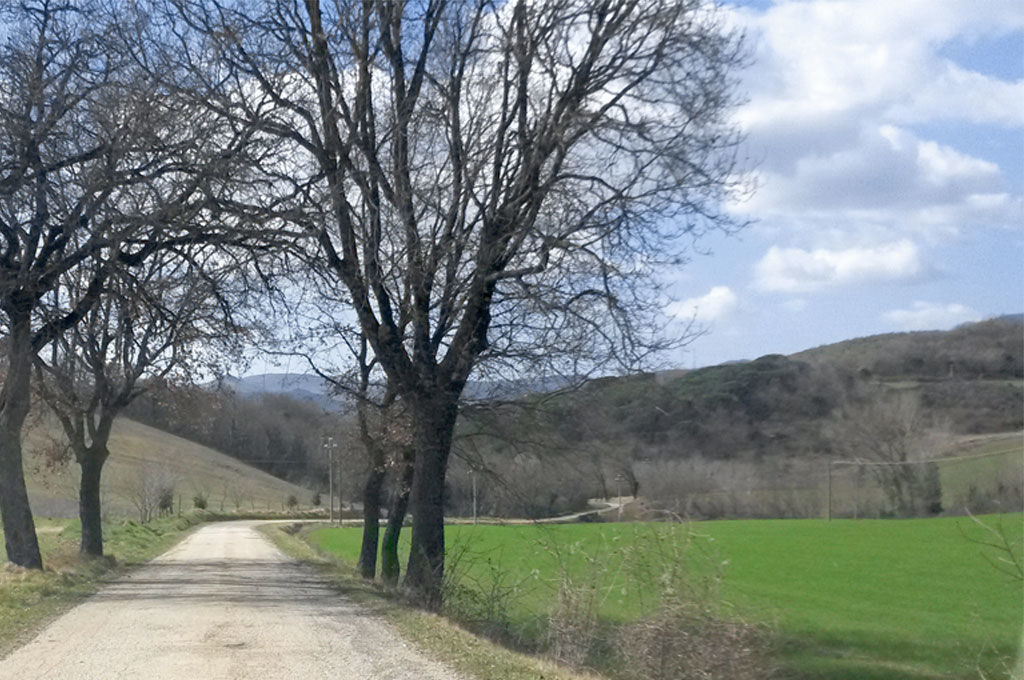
x=371, y=520
x=19, y=528
x=433, y=427
x=389, y=565
x=91, y=461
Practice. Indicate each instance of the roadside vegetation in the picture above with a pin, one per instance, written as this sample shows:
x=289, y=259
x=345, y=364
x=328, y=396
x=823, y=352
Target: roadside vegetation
x=434, y=634
x=30, y=598
x=887, y=599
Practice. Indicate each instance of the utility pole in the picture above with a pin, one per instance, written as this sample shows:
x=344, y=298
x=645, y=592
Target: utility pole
x=474, y=496
x=830, y=491
x=329, y=448
x=341, y=514
x=618, y=492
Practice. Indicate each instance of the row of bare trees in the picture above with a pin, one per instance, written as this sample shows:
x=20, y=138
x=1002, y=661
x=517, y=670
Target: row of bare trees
x=106, y=193
x=474, y=187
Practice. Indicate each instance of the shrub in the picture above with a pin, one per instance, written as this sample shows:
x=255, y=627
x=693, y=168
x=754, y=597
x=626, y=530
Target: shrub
x=573, y=623
x=292, y=501
x=199, y=501
x=165, y=500
x=685, y=641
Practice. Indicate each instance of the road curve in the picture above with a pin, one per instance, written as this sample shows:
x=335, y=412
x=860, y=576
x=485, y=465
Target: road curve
x=225, y=604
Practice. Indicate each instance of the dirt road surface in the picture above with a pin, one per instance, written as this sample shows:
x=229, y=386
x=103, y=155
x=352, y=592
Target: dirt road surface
x=225, y=604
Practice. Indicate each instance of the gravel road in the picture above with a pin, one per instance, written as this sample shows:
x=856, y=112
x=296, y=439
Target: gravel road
x=225, y=604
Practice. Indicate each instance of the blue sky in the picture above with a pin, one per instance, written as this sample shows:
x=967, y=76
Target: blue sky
x=887, y=141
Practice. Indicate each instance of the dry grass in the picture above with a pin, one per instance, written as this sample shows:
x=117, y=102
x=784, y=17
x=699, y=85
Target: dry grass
x=138, y=452
x=683, y=641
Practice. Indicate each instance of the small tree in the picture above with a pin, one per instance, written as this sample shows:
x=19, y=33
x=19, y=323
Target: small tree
x=146, y=325
x=149, y=490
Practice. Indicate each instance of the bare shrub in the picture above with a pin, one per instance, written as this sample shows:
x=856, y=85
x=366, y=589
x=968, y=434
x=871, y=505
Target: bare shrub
x=481, y=598
x=685, y=641
x=151, y=489
x=689, y=635
x=573, y=623
x=674, y=576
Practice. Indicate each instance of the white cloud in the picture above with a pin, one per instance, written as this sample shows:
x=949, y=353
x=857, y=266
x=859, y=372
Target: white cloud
x=890, y=176
x=929, y=316
x=956, y=93
x=794, y=270
x=717, y=303
x=834, y=94
x=827, y=57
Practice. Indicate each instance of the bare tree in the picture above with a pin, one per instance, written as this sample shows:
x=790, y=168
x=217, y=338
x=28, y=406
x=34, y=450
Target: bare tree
x=99, y=169
x=148, y=324
x=493, y=184
x=889, y=433
x=150, y=490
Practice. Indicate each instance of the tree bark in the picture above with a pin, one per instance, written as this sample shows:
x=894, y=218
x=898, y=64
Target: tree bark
x=19, y=528
x=371, y=521
x=91, y=461
x=433, y=427
x=390, y=569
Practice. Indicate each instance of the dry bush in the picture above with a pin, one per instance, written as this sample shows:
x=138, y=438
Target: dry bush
x=150, y=491
x=689, y=633
x=573, y=623
x=684, y=641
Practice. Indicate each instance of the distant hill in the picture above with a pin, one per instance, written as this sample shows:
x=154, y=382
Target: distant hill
x=316, y=390
x=729, y=430
x=992, y=349
x=141, y=455
x=301, y=386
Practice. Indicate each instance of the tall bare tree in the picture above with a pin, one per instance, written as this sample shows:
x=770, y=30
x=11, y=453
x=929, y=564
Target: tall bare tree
x=149, y=323
x=492, y=184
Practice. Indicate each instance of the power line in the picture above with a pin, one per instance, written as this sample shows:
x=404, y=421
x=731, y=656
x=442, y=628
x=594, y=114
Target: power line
x=922, y=462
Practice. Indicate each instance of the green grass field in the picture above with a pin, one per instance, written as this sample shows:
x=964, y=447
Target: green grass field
x=887, y=599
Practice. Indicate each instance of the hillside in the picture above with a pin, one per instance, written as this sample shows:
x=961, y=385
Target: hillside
x=143, y=458
x=739, y=432
x=992, y=350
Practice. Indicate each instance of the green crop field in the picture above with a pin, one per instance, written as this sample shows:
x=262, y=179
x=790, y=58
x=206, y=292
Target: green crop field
x=888, y=599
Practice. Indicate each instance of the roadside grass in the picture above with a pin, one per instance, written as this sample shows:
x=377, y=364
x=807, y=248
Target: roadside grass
x=434, y=635
x=29, y=598
x=887, y=599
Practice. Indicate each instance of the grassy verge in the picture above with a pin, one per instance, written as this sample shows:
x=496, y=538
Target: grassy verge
x=435, y=635
x=885, y=599
x=29, y=598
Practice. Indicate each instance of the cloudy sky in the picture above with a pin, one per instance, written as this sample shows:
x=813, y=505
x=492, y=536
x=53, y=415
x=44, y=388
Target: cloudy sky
x=888, y=145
